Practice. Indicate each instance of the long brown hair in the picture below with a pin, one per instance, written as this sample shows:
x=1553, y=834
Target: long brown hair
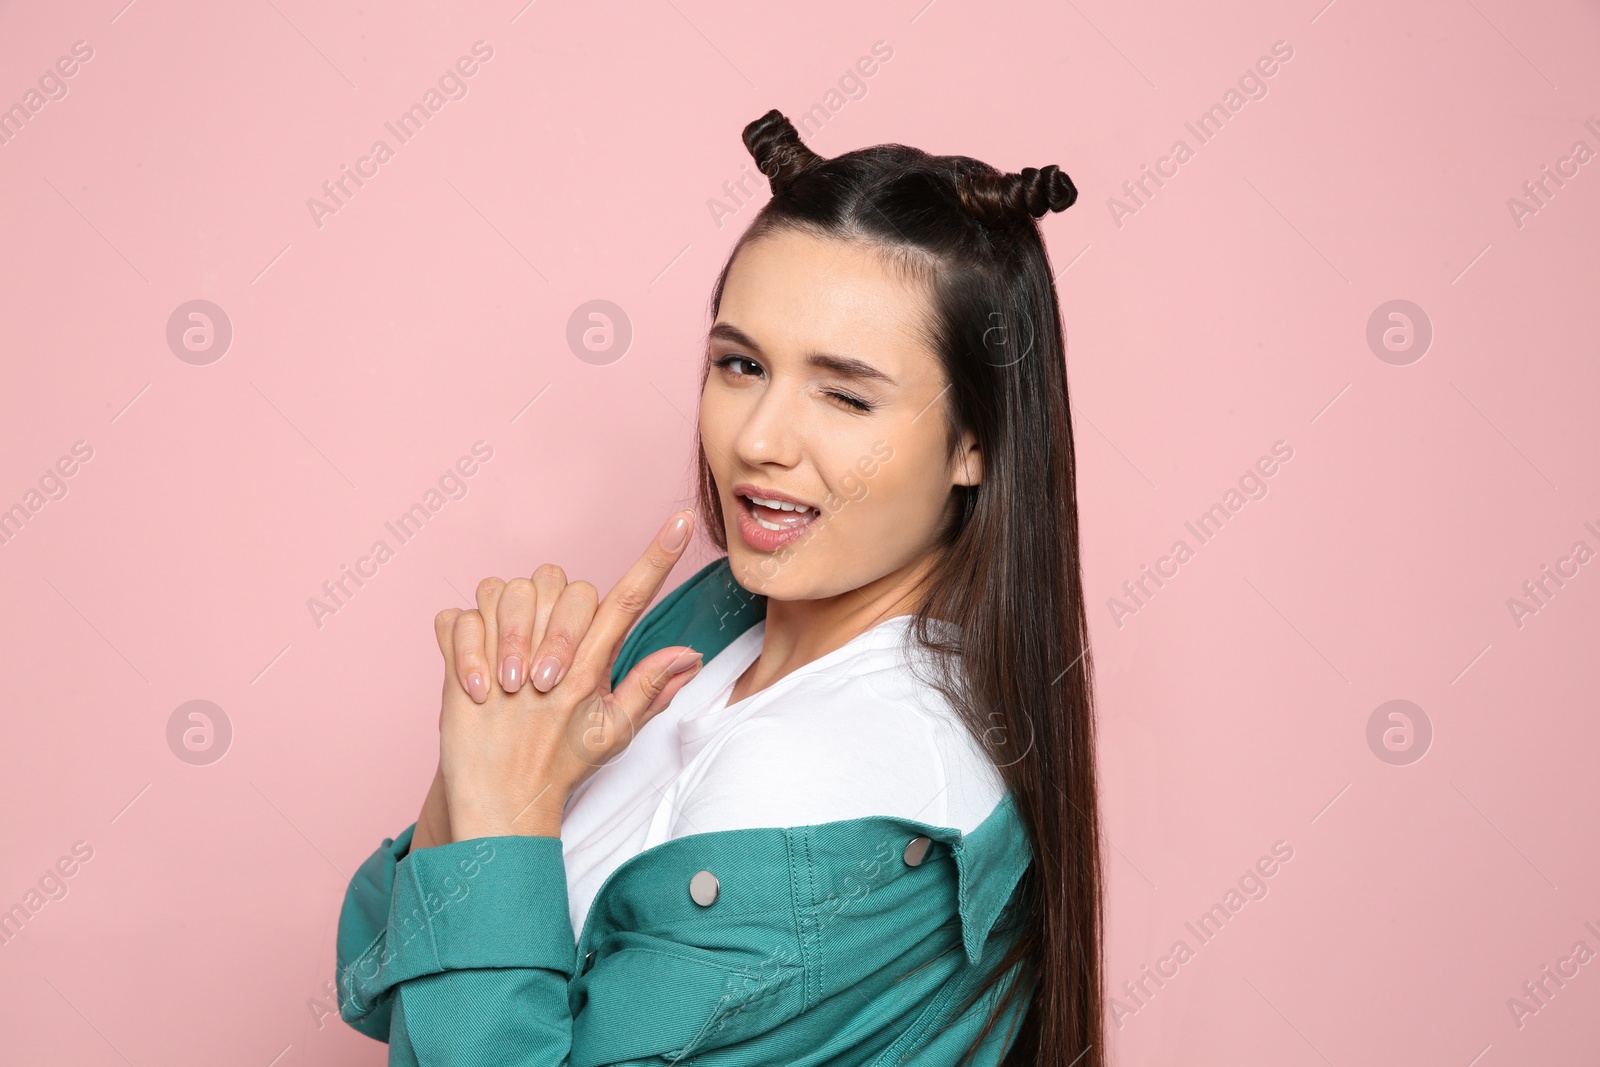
x=1007, y=561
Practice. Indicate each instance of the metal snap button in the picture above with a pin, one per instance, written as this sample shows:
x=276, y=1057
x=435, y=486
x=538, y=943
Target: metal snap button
x=703, y=888
x=588, y=959
x=917, y=849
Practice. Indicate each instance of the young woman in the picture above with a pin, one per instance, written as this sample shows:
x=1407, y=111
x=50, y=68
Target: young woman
x=865, y=830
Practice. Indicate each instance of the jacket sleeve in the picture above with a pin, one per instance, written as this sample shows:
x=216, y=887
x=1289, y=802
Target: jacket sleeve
x=362, y=921
x=461, y=953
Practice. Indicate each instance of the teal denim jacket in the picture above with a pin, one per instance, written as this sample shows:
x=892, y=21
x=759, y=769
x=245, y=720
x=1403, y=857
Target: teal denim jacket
x=832, y=943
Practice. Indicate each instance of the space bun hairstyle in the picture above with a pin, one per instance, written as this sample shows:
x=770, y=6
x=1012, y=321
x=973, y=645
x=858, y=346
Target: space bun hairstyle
x=1005, y=561
x=776, y=147
x=1031, y=192
x=991, y=196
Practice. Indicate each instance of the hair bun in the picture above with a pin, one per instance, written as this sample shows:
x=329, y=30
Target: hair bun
x=779, y=153
x=999, y=198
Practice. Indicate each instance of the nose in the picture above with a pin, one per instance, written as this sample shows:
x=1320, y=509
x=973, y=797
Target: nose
x=771, y=433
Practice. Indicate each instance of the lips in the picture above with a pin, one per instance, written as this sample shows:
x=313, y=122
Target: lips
x=774, y=507
x=769, y=519
x=775, y=514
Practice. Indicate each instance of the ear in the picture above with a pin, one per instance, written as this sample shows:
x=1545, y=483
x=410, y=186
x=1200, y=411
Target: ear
x=968, y=462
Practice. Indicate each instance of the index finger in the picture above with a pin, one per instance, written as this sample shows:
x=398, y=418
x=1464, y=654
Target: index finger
x=635, y=590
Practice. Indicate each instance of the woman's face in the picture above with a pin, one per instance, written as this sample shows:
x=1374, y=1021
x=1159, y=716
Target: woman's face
x=821, y=392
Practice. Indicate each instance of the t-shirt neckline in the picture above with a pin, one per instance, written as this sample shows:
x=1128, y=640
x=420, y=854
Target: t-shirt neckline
x=746, y=648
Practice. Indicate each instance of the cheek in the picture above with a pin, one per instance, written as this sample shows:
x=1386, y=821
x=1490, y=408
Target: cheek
x=895, y=492
x=853, y=486
x=854, y=474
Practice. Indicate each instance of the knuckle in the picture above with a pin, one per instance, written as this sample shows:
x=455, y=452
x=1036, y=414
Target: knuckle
x=584, y=591
x=559, y=642
x=632, y=601
x=514, y=614
x=550, y=572
x=444, y=628
x=490, y=586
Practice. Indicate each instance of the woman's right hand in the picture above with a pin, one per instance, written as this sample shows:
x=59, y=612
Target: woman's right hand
x=546, y=604
x=545, y=607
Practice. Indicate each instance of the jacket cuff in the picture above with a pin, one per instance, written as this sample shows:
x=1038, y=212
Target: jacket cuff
x=485, y=902
x=362, y=919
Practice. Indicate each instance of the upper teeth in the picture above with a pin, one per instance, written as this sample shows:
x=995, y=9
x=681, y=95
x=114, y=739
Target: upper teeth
x=780, y=505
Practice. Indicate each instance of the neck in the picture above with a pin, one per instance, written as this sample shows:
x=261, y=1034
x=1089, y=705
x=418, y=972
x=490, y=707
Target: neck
x=801, y=631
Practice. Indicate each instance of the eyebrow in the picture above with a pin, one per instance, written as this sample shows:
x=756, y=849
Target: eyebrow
x=842, y=365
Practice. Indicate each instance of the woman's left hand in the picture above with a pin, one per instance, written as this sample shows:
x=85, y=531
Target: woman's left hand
x=511, y=762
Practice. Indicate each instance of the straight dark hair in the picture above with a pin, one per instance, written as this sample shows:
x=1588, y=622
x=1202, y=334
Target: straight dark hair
x=1007, y=559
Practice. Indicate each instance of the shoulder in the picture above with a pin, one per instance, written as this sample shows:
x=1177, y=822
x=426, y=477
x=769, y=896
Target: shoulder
x=872, y=741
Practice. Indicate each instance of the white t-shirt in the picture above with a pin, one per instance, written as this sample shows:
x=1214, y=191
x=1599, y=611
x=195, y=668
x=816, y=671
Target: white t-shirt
x=851, y=734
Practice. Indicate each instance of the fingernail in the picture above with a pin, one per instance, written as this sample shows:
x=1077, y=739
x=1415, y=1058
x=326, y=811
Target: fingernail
x=676, y=532
x=511, y=674
x=544, y=679
x=475, y=687
x=685, y=660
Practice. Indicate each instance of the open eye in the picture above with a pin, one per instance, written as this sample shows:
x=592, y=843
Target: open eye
x=728, y=361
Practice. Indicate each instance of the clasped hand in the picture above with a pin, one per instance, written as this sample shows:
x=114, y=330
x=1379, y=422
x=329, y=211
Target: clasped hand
x=511, y=749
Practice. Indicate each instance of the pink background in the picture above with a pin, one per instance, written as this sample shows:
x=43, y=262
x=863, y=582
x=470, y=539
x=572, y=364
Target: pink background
x=1226, y=313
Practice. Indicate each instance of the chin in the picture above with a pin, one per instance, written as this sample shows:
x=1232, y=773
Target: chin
x=759, y=572
x=775, y=575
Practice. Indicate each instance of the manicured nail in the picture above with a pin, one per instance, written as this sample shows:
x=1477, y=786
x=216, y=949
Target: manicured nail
x=685, y=660
x=511, y=674
x=544, y=679
x=676, y=532
x=475, y=687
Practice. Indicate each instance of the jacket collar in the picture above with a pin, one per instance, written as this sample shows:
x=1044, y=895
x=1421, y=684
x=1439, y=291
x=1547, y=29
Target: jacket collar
x=1000, y=842
x=989, y=863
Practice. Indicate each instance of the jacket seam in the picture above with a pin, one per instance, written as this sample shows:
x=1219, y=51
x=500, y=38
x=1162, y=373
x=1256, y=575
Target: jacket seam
x=816, y=925
x=691, y=922
x=347, y=979
x=427, y=919
x=916, y=1034
x=803, y=893
x=740, y=971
